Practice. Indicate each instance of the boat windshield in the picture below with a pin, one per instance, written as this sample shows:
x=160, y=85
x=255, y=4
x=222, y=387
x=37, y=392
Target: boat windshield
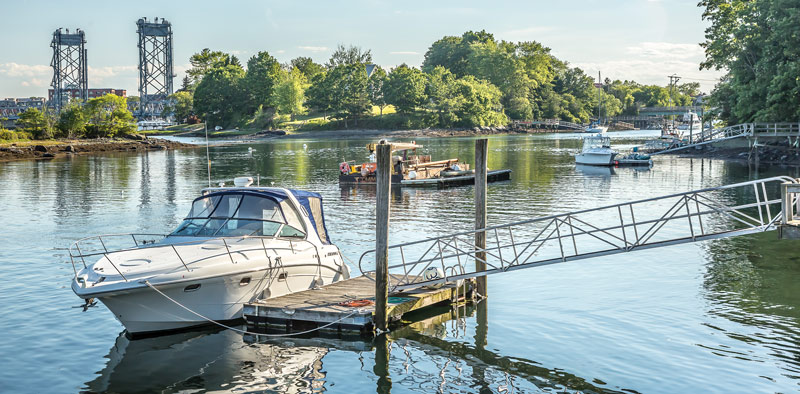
x=596, y=142
x=238, y=214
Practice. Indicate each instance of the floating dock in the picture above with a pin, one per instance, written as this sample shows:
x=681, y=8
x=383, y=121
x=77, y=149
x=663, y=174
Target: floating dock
x=491, y=176
x=633, y=162
x=347, y=305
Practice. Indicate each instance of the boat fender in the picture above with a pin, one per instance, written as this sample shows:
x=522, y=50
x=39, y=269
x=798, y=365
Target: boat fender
x=344, y=168
x=412, y=174
x=433, y=273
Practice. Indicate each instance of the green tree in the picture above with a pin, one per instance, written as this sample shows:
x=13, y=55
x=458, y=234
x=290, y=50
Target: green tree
x=35, y=122
x=203, y=61
x=263, y=74
x=320, y=94
x=376, y=85
x=307, y=66
x=405, y=88
x=443, y=96
x=290, y=93
x=108, y=116
x=481, y=103
x=71, y=121
x=348, y=84
x=218, y=97
x=758, y=43
x=348, y=56
x=181, y=105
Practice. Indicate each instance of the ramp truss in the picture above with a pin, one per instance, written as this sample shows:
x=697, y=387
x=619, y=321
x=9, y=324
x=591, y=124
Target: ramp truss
x=718, y=212
x=69, y=68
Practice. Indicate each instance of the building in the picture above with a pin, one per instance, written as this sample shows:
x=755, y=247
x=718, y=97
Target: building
x=11, y=107
x=97, y=92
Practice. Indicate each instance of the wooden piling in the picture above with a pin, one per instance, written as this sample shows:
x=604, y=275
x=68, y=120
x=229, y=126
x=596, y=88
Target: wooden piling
x=481, y=169
x=383, y=181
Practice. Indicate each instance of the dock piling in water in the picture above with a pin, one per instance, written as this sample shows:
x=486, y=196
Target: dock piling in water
x=481, y=169
x=384, y=184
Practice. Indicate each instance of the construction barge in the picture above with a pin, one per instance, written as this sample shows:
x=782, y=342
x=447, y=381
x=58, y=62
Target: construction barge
x=411, y=169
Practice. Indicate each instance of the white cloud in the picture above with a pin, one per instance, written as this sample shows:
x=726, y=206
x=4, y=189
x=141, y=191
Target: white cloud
x=313, y=48
x=404, y=53
x=111, y=71
x=280, y=51
x=24, y=70
x=666, y=50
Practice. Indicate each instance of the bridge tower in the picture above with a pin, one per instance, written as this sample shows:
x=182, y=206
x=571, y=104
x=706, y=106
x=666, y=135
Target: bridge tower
x=155, y=66
x=69, y=67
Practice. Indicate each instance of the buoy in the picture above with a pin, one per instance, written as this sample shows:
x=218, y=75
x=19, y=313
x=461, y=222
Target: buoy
x=433, y=273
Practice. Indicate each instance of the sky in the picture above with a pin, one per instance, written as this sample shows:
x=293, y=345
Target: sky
x=641, y=40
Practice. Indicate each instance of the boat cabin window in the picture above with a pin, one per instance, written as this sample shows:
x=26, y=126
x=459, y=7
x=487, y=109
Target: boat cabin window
x=237, y=214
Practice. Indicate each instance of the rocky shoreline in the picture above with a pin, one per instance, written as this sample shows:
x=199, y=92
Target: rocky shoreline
x=61, y=148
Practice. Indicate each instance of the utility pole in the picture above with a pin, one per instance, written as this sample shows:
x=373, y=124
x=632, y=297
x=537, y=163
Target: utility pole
x=673, y=81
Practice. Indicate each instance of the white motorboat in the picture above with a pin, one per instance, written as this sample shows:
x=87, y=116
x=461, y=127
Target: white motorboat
x=596, y=128
x=596, y=151
x=238, y=244
x=691, y=122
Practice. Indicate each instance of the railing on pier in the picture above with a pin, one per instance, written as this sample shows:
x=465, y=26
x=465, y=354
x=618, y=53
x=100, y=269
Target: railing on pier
x=742, y=208
x=98, y=245
x=750, y=130
x=547, y=123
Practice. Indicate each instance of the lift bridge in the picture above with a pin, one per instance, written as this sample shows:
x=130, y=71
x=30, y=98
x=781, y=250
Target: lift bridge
x=726, y=211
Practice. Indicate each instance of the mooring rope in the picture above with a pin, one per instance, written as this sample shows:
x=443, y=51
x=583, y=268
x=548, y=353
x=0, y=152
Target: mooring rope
x=150, y=285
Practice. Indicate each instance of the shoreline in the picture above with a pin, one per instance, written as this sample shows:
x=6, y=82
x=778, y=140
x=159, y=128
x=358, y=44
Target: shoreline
x=51, y=149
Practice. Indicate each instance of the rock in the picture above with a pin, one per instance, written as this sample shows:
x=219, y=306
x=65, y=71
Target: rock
x=69, y=148
x=135, y=137
x=40, y=148
x=48, y=155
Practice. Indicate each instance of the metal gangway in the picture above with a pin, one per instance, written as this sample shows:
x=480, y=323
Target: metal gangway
x=718, y=212
x=749, y=130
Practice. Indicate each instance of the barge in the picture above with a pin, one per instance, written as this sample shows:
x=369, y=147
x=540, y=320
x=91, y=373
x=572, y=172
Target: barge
x=411, y=169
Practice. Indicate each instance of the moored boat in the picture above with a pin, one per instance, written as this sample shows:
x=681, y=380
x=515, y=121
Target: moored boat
x=236, y=245
x=596, y=151
x=411, y=169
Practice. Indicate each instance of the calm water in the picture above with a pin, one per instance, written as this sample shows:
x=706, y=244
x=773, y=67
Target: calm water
x=718, y=316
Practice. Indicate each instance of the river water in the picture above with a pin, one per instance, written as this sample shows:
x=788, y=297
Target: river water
x=715, y=316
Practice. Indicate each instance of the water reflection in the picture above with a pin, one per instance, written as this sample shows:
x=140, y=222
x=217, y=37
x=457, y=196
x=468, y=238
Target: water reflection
x=432, y=354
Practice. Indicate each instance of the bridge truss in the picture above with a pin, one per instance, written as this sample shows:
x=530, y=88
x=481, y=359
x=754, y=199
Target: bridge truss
x=725, y=211
x=155, y=67
x=69, y=67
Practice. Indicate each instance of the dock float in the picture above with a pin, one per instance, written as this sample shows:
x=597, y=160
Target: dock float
x=348, y=304
x=491, y=176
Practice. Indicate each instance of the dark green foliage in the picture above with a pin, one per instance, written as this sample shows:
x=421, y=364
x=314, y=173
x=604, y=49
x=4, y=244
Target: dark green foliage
x=405, y=88
x=758, y=43
x=72, y=122
x=218, y=98
x=263, y=74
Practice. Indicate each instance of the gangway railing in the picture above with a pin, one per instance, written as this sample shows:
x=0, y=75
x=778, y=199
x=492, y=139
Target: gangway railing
x=717, y=212
x=751, y=130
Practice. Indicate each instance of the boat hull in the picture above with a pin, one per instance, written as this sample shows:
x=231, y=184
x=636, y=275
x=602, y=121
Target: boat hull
x=143, y=310
x=595, y=159
x=596, y=130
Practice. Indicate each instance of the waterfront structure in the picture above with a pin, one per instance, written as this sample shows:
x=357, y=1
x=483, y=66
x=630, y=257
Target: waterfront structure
x=155, y=66
x=10, y=108
x=69, y=67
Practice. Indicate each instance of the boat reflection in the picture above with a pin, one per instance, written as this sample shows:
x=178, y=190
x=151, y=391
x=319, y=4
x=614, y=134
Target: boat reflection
x=595, y=171
x=435, y=353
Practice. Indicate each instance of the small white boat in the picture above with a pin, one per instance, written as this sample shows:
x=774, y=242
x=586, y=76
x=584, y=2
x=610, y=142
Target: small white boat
x=596, y=128
x=691, y=122
x=236, y=245
x=596, y=151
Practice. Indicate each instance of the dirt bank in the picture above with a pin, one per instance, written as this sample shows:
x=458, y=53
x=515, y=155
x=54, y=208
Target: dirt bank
x=24, y=150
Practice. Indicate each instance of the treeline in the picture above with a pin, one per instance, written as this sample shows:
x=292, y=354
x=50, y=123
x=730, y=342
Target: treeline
x=106, y=116
x=758, y=43
x=471, y=80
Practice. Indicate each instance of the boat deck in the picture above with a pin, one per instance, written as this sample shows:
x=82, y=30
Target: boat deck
x=318, y=307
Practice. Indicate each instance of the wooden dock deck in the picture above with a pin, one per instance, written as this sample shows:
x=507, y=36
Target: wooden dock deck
x=314, y=308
